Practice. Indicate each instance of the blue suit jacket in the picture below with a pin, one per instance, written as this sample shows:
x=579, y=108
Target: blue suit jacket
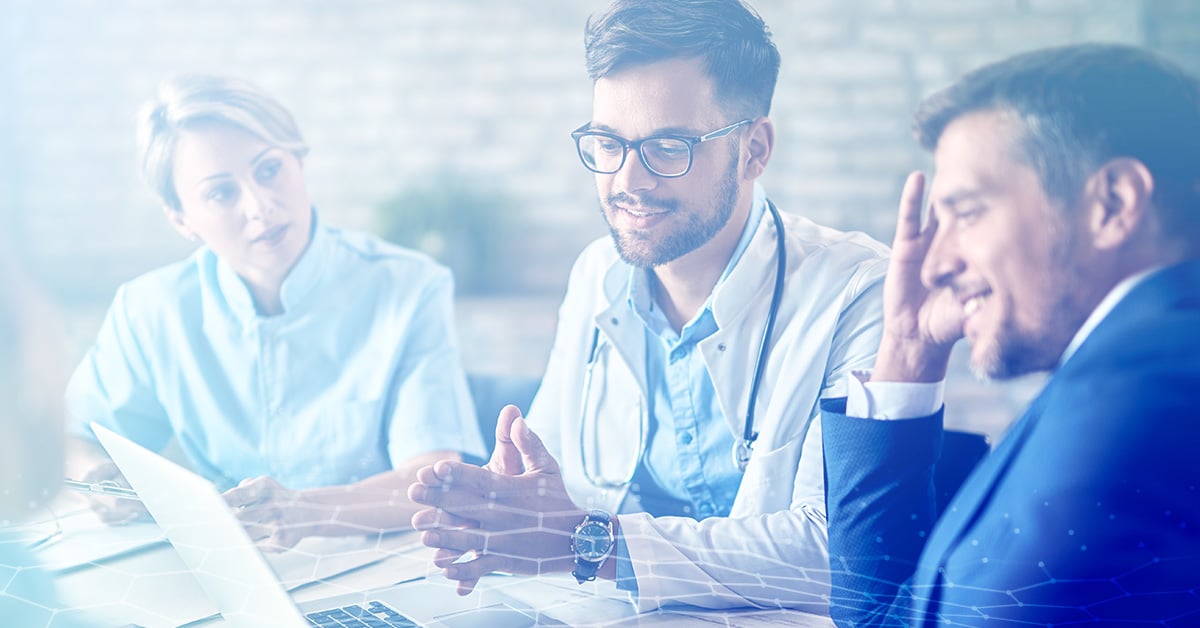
x=1089, y=509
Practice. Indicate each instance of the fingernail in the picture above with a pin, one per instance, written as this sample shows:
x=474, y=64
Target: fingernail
x=446, y=471
x=432, y=538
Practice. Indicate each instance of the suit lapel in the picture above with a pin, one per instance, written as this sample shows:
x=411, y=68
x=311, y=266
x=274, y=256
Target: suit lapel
x=962, y=511
x=1177, y=286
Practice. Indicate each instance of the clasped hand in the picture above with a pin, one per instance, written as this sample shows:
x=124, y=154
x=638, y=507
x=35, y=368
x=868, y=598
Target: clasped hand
x=275, y=516
x=512, y=515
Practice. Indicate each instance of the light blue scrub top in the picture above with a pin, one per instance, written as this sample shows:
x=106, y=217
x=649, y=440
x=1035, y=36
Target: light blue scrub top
x=358, y=374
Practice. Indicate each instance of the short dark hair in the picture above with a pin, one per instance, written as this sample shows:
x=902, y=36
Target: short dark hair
x=728, y=35
x=1083, y=105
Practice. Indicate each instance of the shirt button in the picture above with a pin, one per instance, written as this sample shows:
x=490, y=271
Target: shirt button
x=685, y=438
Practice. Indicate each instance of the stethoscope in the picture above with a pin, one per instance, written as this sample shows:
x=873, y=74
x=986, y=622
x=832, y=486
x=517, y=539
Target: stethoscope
x=743, y=448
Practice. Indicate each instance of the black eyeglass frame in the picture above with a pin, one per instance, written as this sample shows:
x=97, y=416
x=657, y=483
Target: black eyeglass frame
x=628, y=145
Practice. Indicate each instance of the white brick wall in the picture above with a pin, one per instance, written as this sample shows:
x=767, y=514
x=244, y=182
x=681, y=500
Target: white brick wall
x=390, y=93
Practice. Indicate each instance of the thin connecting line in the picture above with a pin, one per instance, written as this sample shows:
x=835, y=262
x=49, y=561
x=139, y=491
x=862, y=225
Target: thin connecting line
x=49, y=538
x=46, y=538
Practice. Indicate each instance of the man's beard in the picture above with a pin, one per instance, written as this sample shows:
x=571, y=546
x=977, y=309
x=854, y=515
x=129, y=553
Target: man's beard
x=1013, y=352
x=638, y=249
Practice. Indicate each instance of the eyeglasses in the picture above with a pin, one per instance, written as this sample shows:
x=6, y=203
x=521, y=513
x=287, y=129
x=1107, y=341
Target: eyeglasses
x=667, y=156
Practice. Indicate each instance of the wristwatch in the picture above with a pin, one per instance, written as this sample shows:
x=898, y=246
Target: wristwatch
x=592, y=542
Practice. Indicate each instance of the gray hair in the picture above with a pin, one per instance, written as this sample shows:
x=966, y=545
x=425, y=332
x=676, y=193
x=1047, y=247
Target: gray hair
x=1082, y=105
x=187, y=100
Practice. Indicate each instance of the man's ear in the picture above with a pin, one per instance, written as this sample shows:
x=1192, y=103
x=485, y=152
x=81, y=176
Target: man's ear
x=760, y=141
x=175, y=217
x=1120, y=194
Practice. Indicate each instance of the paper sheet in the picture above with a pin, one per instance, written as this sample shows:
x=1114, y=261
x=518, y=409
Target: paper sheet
x=86, y=540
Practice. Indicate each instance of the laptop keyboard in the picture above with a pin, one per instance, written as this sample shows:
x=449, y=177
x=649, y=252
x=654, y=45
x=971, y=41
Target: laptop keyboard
x=375, y=615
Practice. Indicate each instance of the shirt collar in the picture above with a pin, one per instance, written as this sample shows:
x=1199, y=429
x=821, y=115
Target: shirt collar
x=306, y=275
x=301, y=280
x=1102, y=310
x=640, y=293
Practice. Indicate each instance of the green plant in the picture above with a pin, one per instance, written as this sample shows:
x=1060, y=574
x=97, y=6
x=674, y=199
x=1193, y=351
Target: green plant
x=463, y=223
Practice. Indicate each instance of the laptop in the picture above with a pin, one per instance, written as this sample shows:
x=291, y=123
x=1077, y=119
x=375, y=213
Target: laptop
x=214, y=545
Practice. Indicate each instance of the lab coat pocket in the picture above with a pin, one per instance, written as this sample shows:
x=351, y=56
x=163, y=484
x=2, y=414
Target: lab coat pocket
x=767, y=484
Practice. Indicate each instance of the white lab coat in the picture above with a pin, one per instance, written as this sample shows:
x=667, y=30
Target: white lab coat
x=772, y=549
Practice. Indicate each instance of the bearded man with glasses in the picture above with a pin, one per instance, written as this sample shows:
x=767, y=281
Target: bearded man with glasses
x=675, y=443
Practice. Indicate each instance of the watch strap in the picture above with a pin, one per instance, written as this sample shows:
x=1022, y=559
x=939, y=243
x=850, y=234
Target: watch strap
x=585, y=570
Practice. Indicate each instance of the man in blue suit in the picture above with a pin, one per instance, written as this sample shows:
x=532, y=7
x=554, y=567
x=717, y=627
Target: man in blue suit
x=1063, y=236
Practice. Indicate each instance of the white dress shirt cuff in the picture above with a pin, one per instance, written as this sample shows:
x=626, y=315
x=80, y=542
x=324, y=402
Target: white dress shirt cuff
x=891, y=400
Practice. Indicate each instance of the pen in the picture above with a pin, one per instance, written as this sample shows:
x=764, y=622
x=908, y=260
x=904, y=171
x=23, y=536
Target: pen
x=101, y=488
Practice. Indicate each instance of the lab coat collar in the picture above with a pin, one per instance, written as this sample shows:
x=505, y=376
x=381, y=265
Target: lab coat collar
x=745, y=291
x=740, y=305
x=620, y=325
x=752, y=275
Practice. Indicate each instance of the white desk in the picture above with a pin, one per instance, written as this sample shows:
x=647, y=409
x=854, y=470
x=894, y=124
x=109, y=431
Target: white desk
x=151, y=587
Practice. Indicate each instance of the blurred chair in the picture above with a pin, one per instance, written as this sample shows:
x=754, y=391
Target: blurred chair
x=491, y=393
x=961, y=451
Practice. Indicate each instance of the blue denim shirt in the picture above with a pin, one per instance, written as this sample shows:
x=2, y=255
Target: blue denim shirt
x=687, y=469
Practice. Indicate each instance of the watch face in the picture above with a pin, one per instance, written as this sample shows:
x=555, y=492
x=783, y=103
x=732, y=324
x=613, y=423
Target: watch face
x=592, y=541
